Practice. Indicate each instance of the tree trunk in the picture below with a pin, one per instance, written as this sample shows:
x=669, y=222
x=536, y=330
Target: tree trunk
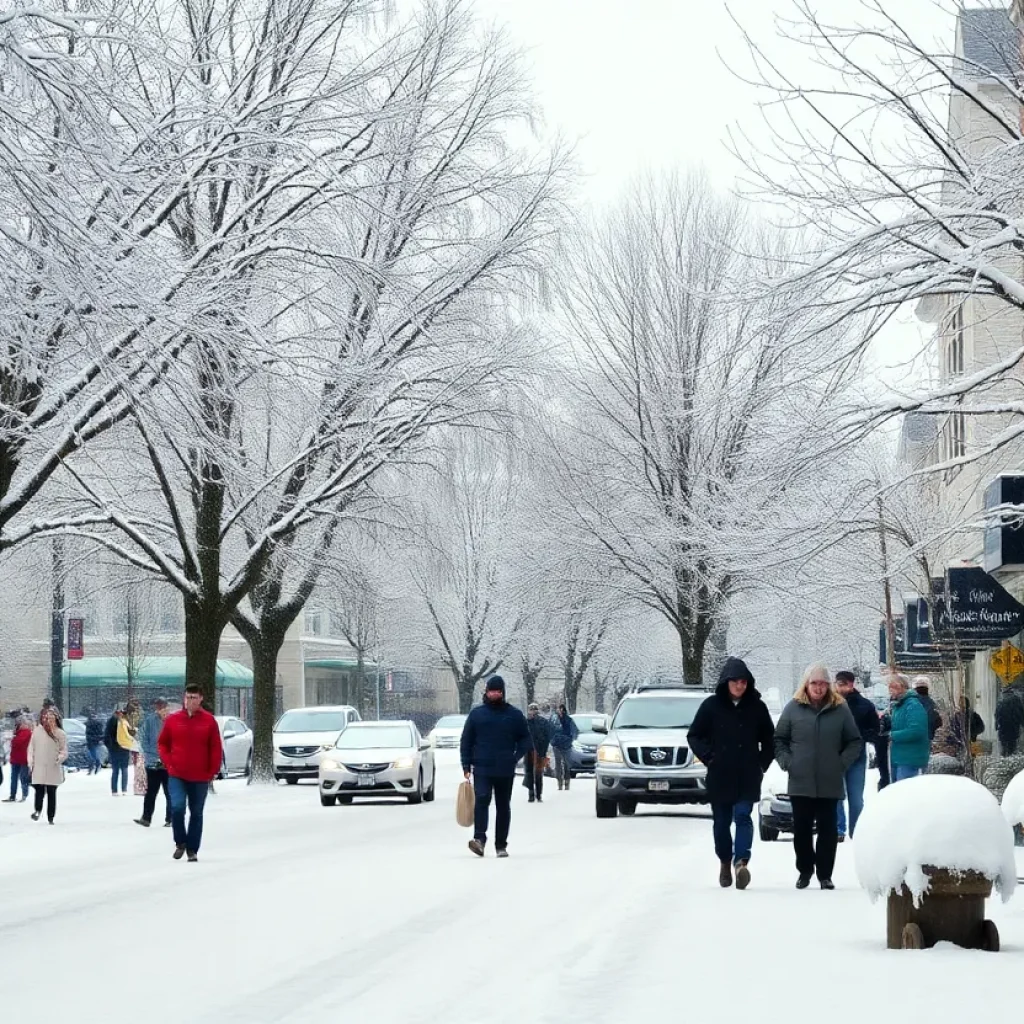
x=693, y=661
x=202, y=647
x=265, y=647
x=465, y=688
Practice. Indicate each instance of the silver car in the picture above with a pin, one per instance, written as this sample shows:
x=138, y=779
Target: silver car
x=645, y=757
x=378, y=759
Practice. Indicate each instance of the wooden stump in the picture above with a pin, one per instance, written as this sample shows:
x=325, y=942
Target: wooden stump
x=952, y=910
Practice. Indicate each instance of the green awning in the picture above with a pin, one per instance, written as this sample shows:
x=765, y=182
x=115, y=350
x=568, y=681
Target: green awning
x=339, y=664
x=165, y=673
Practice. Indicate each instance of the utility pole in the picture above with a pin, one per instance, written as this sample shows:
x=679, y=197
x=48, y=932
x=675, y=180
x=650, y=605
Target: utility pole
x=57, y=624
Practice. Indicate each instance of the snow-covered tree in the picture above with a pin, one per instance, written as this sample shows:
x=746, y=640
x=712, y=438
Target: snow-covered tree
x=698, y=411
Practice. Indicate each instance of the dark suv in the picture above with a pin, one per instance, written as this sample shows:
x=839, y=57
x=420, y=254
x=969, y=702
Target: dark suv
x=645, y=757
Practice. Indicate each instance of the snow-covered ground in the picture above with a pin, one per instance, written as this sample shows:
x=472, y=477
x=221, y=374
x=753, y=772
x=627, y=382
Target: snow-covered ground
x=379, y=914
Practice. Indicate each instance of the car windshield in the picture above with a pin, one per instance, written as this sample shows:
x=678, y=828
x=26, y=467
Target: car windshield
x=585, y=723
x=311, y=721
x=372, y=737
x=451, y=722
x=657, y=713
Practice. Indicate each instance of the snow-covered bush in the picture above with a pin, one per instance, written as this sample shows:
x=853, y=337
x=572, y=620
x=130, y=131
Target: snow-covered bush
x=942, y=821
x=944, y=764
x=999, y=774
x=1013, y=801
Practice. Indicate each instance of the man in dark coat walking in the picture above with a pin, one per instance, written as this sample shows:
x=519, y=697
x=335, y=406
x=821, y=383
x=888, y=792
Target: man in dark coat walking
x=865, y=714
x=494, y=739
x=536, y=761
x=732, y=733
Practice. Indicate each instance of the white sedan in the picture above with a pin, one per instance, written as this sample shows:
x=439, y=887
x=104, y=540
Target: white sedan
x=236, y=738
x=447, y=733
x=378, y=759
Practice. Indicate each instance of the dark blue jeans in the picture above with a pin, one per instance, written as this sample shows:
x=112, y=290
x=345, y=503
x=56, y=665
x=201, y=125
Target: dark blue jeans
x=904, y=771
x=119, y=769
x=95, y=764
x=725, y=816
x=855, y=776
x=500, y=788
x=20, y=774
x=194, y=794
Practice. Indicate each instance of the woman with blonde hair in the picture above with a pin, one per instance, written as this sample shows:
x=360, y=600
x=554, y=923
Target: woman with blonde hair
x=47, y=752
x=816, y=741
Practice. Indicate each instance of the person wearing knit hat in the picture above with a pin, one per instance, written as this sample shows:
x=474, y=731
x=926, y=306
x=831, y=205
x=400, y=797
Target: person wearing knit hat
x=494, y=739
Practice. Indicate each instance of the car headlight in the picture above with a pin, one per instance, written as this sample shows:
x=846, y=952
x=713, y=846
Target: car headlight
x=328, y=765
x=326, y=746
x=577, y=746
x=610, y=753
x=405, y=762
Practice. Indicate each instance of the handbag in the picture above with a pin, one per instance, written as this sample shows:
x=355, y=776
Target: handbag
x=465, y=804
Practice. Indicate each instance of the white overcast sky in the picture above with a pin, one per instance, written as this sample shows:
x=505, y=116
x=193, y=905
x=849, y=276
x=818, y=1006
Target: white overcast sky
x=647, y=85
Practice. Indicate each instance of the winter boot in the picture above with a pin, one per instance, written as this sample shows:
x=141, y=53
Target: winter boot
x=192, y=857
x=803, y=881
x=742, y=875
x=725, y=874
x=827, y=883
x=476, y=847
x=532, y=799
x=179, y=852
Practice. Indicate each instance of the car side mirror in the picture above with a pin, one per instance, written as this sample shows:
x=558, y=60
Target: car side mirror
x=599, y=727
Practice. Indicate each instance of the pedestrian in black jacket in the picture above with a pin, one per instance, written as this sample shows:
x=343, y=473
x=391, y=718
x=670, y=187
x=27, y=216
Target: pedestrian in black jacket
x=865, y=715
x=732, y=733
x=537, y=758
x=934, y=715
x=494, y=739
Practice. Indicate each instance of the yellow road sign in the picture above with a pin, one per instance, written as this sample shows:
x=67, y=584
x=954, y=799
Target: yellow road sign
x=1007, y=662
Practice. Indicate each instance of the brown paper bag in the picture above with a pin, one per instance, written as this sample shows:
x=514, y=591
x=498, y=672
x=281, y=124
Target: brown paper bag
x=465, y=804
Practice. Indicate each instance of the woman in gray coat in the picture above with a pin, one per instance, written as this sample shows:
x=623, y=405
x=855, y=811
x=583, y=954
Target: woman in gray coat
x=816, y=741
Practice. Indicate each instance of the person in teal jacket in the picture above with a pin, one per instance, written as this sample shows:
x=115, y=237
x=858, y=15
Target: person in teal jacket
x=909, y=742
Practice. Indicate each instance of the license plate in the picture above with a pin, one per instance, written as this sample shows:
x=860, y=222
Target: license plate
x=658, y=787
x=367, y=780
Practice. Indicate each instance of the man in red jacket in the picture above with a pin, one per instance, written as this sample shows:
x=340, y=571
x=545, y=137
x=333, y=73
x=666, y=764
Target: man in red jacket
x=190, y=749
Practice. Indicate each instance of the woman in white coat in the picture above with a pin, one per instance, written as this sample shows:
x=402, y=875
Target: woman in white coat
x=47, y=752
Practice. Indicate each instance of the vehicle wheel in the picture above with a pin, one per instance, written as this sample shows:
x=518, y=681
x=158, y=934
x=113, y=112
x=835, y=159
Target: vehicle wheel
x=989, y=937
x=278, y=778
x=768, y=835
x=432, y=792
x=344, y=800
x=417, y=797
x=606, y=808
x=627, y=807
x=248, y=765
x=291, y=780
x=327, y=801
x=913, y=937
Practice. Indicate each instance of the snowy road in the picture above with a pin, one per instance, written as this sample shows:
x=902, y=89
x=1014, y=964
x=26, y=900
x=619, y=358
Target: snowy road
x=378, y=914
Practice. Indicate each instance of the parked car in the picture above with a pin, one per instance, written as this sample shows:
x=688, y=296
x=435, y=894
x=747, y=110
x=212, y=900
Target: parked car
x=775, y=811
x=645, y=755
x=303, y=734
x=236, y=737
x=583, y=752
x=379, y=759
x=78, y=753
x=447, y=733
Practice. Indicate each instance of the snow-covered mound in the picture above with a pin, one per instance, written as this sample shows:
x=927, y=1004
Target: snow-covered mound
x=941, y=820
x=1013, y=801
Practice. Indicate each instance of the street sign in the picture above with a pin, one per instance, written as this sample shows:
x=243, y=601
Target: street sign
x=1007, y=662
x=76, y=639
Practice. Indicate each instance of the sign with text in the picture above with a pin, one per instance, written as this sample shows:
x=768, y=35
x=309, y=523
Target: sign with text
x=76, y=639
x=975, y=606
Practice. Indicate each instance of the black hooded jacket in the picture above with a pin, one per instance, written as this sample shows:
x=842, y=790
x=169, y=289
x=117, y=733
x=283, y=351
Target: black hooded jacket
x=735, y=740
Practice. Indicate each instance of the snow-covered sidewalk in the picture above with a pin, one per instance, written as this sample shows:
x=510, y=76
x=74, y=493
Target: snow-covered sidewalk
x=378, y=914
